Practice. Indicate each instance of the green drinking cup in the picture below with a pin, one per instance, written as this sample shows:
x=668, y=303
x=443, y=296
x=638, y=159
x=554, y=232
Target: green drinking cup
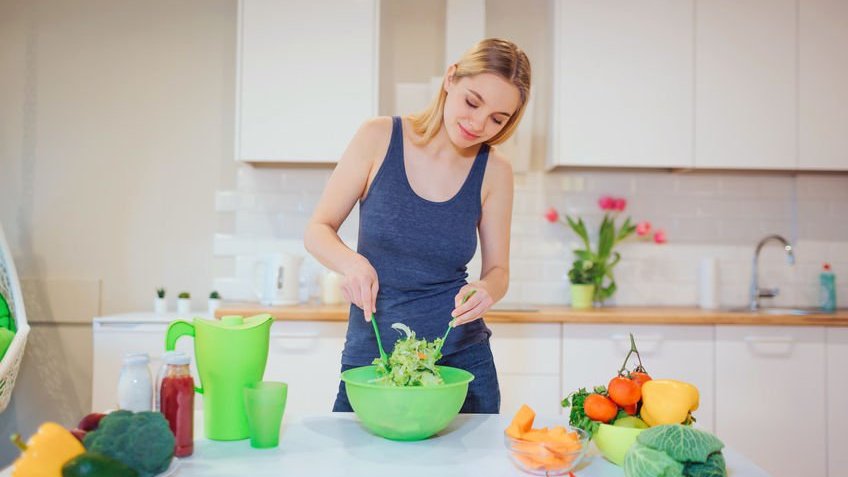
x=265, y=403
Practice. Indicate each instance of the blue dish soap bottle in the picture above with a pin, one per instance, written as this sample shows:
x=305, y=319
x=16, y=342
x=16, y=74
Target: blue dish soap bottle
x=827, y=287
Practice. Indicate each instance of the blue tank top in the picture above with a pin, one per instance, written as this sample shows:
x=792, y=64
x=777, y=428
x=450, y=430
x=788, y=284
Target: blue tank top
x=420, y=250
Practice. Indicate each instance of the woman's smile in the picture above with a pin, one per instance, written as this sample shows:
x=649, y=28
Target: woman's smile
x=466, y=133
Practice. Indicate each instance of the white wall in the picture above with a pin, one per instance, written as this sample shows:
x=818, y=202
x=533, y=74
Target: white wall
x=116, y=127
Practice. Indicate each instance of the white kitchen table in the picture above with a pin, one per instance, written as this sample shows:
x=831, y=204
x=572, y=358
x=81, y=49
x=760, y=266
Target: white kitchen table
x=335, y=444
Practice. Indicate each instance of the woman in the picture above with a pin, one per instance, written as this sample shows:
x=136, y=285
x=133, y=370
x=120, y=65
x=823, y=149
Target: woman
x=426, y=185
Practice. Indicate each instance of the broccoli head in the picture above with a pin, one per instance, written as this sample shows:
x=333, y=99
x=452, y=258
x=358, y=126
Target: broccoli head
x=142, y=441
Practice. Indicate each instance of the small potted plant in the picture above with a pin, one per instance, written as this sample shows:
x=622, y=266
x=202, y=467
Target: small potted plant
x=160, y=306
x=184, y=302
x=214, y=302
x=582, y=278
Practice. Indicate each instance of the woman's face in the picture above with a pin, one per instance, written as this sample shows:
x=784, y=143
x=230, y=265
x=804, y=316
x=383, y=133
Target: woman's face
x=478, y=107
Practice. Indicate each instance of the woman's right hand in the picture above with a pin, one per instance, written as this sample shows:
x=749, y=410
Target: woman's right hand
x=360, y=285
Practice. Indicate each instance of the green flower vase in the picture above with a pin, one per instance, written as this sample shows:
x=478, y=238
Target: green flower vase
x=581, y=295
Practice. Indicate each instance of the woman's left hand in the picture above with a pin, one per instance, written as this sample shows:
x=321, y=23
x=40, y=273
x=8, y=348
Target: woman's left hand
x=476, y=306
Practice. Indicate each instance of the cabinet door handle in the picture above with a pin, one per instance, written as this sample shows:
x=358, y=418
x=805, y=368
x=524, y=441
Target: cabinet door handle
x=304, y=335
x=623, y=337
x=134, y=329
x=769, y=339
x=770, y=345
x=647, y=344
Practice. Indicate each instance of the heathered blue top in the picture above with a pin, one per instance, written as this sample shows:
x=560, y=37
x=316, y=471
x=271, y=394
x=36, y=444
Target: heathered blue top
x=420, y=250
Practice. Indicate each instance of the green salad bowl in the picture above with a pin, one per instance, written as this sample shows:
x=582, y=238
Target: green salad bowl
x=406, y=413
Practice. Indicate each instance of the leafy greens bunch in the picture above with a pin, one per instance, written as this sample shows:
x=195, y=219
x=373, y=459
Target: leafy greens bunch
x=412, y=362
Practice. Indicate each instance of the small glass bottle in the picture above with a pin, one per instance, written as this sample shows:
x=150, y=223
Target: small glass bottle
x=157, y=385
x=827, y=289
x=177, y=402
x=135, y=391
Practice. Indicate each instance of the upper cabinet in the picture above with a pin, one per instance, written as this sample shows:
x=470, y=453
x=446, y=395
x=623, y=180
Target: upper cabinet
x=623, y=83
x=306, y=77
x=719, y=84
x=746, y=84
x=823, y=76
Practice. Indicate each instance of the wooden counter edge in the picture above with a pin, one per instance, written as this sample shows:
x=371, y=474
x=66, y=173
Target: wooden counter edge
x=562, y=314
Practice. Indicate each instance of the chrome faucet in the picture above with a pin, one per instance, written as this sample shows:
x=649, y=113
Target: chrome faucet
x=756, y=291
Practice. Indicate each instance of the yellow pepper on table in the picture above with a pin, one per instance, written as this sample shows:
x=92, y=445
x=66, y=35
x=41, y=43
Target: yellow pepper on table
x=46, y=451
x=666, y=401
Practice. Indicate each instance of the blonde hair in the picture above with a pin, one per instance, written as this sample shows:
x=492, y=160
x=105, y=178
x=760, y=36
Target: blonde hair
x=492, y=55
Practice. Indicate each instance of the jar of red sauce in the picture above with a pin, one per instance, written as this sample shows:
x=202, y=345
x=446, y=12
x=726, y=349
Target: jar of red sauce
x=176, y=402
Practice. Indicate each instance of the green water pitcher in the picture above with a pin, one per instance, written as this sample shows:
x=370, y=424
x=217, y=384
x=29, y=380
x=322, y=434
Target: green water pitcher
x=230, y=353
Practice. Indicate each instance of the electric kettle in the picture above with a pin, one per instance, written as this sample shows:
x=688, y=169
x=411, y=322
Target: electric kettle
x=230, y=353
x=277, y=278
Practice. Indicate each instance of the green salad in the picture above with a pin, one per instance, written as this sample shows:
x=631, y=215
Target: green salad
x=412, y=362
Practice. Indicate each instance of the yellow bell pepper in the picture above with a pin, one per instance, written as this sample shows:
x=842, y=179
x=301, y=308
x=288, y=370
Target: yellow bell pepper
x=46, y=451
x=666, y=401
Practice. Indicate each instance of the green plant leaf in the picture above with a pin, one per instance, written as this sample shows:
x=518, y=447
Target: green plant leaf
x=608, y=290
x=606, y=239
x=579, y=228
x=615, y=258
x=626, y=229
x=585, y=255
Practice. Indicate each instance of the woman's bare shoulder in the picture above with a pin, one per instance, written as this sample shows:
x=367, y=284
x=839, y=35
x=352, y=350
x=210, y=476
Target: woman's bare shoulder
x=498, y=168
x=370, y=141
x=376, y=129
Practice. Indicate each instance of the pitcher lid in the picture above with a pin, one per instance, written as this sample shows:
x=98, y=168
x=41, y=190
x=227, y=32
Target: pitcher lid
x=237, y=322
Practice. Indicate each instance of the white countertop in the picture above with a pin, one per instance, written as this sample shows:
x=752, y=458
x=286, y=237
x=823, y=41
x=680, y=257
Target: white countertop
x=335, y=444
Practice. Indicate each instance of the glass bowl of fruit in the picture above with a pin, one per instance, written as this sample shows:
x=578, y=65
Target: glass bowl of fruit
x=546, y=446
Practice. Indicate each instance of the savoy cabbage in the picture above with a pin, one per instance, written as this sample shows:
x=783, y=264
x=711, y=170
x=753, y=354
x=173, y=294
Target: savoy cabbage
x=675, y=451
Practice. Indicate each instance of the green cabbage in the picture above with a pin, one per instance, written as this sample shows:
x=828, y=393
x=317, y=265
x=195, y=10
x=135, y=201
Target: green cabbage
x=412, y=362
x=681, y=443
x=675, y=450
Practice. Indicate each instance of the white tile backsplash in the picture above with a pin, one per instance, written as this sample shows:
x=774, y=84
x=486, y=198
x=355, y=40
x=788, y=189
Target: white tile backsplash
x=704, y=214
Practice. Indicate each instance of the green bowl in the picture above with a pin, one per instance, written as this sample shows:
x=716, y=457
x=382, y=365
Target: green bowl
x=613, y=441
x=406, y=413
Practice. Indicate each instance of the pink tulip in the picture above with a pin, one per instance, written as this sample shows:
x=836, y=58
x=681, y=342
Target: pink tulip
x=619, y=204
x=606, y=202
x=643, y=228
x=659, y=236
x=552, y=215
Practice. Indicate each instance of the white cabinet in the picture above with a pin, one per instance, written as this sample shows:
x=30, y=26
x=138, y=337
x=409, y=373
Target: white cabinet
x=745, y=84
x=837, y=411
x=770, y=399
x=593, y=354
x=823, y=74
x=527, y=359
x=623, y=83
x=306, y=77
x=307, y=356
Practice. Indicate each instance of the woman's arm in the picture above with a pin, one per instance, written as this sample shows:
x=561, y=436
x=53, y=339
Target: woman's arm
x=346, y=186
x=495, y=225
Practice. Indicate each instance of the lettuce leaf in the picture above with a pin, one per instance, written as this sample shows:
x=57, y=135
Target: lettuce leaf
x=642, y=461
x=412, y=362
